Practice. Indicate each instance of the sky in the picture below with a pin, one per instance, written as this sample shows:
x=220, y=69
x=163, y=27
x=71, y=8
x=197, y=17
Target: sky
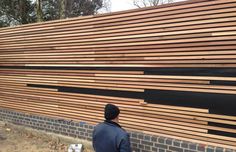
x=119, y=5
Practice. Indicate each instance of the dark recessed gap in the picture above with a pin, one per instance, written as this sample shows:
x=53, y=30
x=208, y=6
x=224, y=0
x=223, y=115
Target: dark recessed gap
x=225, y=72
x=113, y=93
x=223, y=104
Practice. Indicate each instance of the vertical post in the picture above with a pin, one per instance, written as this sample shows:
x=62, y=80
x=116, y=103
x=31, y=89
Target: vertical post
x=39, y=11
x=62, y=9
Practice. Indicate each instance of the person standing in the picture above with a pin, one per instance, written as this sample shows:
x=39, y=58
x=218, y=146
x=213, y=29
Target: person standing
x=109, y=136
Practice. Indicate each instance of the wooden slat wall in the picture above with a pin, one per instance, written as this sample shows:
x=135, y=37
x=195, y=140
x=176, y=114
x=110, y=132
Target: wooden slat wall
x=72, y=68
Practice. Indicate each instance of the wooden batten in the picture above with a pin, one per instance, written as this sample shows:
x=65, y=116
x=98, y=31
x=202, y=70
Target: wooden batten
x=171, y=69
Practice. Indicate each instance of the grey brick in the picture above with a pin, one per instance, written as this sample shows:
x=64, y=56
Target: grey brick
x=72, y=123
x=64, y=133
x=141, y=146
x=184, y=145
x=81, y=129
x=201, y=148
x=56, y=124
x=147, y=148
x=154, y=139
x=187, y=150
x=72, y=131
x=90, y=131
x=64, y=126
x=81, y=133
x=56, y=132
x=129, y=134
x=73, y=128
x=140, y=136
x=81, y=124
x=135, y=140
x=134, y=135
x=140, y=142
x=161, y=146
x=161, y=150
x=176, y=143
x=169, y=141
x=154, y=149
x=219, y=149
x=209, y=149
x=147, y=138
x=161, y=140
x=134, y=145
x=136, y=149
x=89, y=138
x=72, y=135
x=229, y=150
x=193, y=146
x=175, y=149
x=90, y=135
x=77, y=124
x=146, y=143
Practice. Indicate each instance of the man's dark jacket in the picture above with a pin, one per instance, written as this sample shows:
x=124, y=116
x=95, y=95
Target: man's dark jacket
x=110, y=137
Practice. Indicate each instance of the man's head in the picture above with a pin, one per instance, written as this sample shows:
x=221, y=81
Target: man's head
x=111, y=112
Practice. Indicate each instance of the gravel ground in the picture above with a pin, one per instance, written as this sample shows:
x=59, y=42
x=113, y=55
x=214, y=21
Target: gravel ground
x=21, y=139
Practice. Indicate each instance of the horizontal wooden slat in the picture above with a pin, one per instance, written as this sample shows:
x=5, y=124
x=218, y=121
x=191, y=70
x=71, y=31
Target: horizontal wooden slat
x=124, y=58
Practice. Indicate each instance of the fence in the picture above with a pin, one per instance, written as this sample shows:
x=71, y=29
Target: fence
x=171, y=69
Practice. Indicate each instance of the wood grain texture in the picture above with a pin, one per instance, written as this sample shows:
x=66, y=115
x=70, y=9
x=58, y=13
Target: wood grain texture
x=71, y=68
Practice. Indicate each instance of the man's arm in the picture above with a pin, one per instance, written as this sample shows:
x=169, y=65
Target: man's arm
x=93, y=142
x=125, y=144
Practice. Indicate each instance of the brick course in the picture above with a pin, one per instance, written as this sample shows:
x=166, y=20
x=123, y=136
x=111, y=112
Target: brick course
x=140, y=142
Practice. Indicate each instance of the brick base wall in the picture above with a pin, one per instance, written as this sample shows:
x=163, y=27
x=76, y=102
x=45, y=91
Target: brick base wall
x=140, y=142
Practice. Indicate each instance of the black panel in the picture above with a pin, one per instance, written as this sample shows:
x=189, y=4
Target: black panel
x=214, y=132
x=225, y=72
x=43, y=86
x=217, y=103
x=221, y=125
x=225, y=83
x=224, y=104
x=113, y=93
x=222, y=133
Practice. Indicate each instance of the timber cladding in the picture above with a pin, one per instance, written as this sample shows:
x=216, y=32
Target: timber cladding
x=171, y=69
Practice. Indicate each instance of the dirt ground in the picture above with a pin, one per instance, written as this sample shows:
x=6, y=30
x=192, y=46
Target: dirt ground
x=20, y=139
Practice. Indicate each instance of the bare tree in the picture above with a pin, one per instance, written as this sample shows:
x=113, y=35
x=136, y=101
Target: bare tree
x=62, y=10
x=146, y=3
x=106, y=7
x=39, y=11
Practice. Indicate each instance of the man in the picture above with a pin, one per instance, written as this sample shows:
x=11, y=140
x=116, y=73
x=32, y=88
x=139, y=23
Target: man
x=109, y=136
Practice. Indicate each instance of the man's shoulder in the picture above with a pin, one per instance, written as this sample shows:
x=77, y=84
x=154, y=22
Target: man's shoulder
x=111, y=126
x=100, y=124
